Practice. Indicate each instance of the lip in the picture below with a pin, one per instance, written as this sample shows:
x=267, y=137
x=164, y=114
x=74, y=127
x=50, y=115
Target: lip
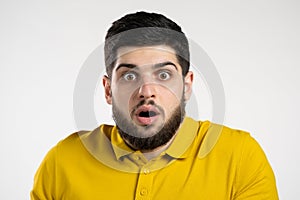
x=146, y=120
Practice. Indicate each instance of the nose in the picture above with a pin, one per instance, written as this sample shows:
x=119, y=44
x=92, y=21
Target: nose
x=147, y=91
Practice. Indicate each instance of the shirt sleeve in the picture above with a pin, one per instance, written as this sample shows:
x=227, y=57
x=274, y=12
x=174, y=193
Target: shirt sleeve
x=44, y=180
x=255, y=178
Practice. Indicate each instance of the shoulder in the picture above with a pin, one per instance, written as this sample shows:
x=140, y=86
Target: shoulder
x=238, y=139
x=76, y=137
x=234, y=137
x=224, y=131
x=74, y=143
x=223, y=139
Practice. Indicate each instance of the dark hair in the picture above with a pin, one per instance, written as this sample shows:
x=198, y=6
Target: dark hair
x=145, y=29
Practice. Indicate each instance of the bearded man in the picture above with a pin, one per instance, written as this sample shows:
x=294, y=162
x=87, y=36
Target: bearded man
x=154, y=151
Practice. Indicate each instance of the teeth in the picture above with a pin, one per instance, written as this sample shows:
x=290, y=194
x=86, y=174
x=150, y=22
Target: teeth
x=147, y=114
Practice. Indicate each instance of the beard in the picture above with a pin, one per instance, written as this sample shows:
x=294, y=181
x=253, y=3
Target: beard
x=134, y=135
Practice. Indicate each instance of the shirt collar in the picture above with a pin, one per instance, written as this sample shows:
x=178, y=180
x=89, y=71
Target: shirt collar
x=119, y=146
x=184, y=138
x=178, y=149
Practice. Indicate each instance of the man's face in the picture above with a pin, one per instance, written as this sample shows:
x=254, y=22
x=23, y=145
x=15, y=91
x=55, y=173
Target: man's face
x=148, y=94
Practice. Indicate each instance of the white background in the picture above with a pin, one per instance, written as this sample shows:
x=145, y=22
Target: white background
x=43, y=44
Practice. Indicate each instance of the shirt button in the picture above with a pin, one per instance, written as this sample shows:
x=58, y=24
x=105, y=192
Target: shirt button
x=146, y=171
x=144, y=192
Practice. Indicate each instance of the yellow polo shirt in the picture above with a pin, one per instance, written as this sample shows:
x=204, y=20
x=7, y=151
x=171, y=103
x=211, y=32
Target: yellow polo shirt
x=205, y=161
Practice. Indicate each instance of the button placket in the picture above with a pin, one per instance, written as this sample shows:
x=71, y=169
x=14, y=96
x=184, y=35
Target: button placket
x=144, y=185
x=138, y=159
x=144, y=191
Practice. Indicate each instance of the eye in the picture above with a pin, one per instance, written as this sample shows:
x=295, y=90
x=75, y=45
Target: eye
x=164, y=75
x=129, y=76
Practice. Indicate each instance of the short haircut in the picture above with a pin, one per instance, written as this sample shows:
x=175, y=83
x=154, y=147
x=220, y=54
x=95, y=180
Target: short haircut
x=145, y=29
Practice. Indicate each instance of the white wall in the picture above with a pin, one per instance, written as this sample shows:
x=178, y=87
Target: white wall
x=43, y=45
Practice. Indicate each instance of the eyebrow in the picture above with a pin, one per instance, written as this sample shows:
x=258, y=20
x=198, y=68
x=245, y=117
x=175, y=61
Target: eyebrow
x=157, y=65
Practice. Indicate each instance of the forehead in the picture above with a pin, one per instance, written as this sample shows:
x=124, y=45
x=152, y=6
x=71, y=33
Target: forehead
x=148, y=55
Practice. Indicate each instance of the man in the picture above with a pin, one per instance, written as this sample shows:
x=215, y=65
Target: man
x=154, y=151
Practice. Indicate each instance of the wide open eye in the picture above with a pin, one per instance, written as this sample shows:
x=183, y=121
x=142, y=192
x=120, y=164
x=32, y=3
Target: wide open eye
x=164, y=75
x=129, y=76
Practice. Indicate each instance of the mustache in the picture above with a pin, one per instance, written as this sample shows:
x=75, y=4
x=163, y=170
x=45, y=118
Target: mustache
x=146, y=102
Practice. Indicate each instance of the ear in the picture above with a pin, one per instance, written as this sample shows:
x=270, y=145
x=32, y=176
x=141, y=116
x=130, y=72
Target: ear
x=188, y=83
x=107, y=89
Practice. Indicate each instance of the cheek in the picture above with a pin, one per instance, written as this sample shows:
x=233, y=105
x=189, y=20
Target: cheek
x=124, y=91
x=122, y=100
x=173, y=90
x=170, y=100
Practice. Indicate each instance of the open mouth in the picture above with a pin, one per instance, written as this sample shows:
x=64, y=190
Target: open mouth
x=146, y=115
